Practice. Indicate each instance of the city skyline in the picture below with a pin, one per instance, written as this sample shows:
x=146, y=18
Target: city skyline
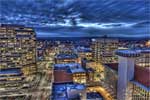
x=74, y=50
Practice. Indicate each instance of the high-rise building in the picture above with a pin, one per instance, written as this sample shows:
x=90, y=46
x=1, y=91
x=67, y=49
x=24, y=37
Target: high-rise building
x=133, y=79
x=18, y=48
x=104, y=50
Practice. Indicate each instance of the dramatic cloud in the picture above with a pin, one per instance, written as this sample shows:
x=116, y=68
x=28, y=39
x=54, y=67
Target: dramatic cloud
x=97, y=14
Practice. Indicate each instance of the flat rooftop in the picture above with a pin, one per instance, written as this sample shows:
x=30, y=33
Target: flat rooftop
x=132, y=52
x=66, y=56
x=128, y=53
x=62, y=91
x=84, y=49
x=94, y=96
x=19, y=28
x=144, y=50
x=72, y=67
x=11, y=25
x=10, y=71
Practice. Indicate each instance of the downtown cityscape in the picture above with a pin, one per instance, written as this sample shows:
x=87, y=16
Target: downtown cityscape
x=51, y=50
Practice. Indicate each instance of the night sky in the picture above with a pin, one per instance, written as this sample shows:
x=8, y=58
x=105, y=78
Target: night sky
x=77, y=18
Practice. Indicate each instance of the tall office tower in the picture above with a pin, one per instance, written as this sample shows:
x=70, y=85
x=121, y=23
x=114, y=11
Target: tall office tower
x=18, y=48
x=104, y=50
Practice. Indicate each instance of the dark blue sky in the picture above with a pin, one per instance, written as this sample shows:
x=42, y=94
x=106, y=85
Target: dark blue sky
x=87, y=16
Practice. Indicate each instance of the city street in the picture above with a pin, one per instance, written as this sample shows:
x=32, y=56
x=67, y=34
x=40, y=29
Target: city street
x=44, y=87
x=102, y=91
x=99, y=85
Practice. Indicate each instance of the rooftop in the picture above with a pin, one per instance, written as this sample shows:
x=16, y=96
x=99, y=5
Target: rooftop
x=94, y=96
x=71, y=67
x=84, y=49
x=63, y=91
x=144, y=50
x=132, y=52
x=128, y=53
x=20, y=28
x=66, y=56
x=11, y=25
x=24, y=30
x=10, y=71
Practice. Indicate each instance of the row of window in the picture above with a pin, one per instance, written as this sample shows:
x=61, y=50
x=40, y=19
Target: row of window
x=139, y=93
